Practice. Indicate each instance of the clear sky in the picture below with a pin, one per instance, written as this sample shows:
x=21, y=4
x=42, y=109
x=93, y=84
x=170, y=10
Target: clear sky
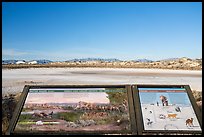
x=62, y=31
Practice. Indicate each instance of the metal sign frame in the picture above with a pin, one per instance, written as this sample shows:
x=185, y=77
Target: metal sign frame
x=135, y=112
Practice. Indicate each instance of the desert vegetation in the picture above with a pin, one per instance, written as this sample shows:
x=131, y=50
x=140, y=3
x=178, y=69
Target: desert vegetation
x=179, y=63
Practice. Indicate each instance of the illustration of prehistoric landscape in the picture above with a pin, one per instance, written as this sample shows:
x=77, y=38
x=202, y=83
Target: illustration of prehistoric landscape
x=102, y=109
x=167, y=109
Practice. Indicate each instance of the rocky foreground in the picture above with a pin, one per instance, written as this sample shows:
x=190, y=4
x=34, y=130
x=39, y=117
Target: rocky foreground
x=10, y=101
x=178, y=63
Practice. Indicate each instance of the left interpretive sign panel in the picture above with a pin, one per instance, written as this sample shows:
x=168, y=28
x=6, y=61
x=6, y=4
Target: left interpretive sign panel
x=74, y=110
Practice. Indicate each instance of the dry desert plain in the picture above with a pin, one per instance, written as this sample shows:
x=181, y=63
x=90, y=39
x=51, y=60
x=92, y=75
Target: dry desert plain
x=13, y=80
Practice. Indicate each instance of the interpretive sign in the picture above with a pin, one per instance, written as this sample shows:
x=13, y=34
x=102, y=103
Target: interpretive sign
x=106, y=109
x=75, y=110
x=167, y=109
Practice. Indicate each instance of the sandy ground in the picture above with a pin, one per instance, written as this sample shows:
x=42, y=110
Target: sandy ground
x=13, y=80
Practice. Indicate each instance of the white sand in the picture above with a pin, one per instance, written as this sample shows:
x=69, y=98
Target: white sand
x=13, y=80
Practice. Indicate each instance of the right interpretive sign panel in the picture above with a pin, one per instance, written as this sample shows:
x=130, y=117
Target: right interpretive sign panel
x=167, y=109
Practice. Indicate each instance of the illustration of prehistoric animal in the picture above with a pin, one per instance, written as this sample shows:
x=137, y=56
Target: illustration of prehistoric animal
x=85, y=106
x=172, y=115
x=149, y=122
x=164, y=100
x=91, y=106
x=189, y=122
x=37, y=115
x=42, y=115
x=162, y=116
x=178, y=109
x=50, y=113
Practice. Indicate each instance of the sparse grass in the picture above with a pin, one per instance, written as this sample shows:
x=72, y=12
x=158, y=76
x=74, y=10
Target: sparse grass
x=69, y=116
x=25, y=118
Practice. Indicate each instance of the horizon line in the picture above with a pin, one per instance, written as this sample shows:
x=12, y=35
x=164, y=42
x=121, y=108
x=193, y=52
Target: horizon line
x=104, y=59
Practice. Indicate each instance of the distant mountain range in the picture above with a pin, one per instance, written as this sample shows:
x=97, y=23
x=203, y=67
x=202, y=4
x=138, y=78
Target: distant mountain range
x=143, y=60
x=94, y=59
x=168, y=59
x=183, y=58
x=9, y=61
x=14, y=61
x=43, y=61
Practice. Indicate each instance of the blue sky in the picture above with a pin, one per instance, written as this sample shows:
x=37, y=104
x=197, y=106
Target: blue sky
x=62, y=31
